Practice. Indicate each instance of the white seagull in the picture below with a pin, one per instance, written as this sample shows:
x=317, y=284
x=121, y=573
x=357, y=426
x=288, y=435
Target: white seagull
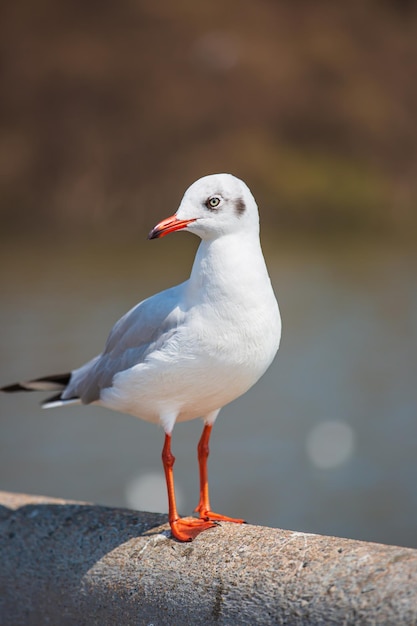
x=187, y=351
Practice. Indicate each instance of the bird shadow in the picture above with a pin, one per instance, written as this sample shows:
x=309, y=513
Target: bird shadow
x=75, y=536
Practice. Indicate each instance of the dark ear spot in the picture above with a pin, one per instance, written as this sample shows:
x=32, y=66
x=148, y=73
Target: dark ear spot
x=240, y=206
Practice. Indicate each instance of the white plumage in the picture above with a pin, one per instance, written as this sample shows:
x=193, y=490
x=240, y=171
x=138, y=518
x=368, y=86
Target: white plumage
x=187, y=351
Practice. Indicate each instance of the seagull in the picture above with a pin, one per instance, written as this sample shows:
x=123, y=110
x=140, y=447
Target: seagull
x=186, y=352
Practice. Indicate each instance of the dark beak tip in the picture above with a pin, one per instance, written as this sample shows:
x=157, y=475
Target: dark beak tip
x=153, y=234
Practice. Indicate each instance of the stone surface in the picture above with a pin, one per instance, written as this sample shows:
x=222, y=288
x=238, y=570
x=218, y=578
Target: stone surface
x=74, y=563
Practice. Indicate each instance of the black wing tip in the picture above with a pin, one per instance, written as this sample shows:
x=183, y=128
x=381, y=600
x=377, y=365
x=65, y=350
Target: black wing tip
x=61, y=379
x=55, y=398
x=58, y=398
x=57, y=381
x=14, y=387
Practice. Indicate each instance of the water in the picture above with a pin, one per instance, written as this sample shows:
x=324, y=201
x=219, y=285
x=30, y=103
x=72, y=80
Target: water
x=326, y=442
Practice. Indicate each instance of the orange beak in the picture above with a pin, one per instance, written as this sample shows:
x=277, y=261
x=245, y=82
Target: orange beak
x=168, y=225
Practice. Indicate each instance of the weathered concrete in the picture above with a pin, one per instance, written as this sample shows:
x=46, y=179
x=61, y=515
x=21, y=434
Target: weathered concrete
x=73, y=563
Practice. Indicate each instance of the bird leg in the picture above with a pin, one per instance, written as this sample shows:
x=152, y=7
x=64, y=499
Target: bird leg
x=183, y=529
x=204, y=507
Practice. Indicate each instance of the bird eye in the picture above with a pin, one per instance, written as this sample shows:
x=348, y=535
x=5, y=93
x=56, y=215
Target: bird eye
x=213, y=202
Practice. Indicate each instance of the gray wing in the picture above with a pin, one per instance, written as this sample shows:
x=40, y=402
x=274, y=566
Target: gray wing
x=142, y=330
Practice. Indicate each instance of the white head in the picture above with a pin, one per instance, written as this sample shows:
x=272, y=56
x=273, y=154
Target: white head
x=213, y=206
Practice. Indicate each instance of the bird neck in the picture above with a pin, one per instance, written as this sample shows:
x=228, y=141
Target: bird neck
x=231, y=266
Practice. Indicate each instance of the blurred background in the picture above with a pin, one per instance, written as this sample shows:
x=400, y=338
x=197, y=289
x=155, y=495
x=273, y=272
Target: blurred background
x=108, y=111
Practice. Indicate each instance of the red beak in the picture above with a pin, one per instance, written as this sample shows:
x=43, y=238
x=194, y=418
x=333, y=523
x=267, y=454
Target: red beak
x=167, y=226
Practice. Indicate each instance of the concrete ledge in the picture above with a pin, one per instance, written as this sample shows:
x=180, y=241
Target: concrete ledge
x=73, y=563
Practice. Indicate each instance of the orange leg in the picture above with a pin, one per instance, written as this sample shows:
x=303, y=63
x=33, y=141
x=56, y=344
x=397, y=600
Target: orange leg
x=183, y=529
x=204, y=507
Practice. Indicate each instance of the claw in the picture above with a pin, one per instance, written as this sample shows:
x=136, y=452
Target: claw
x=187, y=528
x=210, y=515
